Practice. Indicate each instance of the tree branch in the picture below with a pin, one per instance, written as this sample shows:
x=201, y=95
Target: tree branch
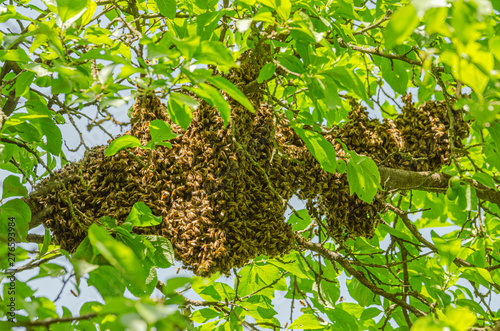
x=376, y=51
x=49, y=321
x=374, y=25
x=413, y=229
x=397, y=179
x=335, y=257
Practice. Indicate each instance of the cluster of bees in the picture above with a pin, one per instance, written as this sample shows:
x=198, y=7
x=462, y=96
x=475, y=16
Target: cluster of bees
x=415, y=140
x=222, y=192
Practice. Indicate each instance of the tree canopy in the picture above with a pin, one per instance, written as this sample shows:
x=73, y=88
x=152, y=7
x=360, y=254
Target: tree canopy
x=381, y=117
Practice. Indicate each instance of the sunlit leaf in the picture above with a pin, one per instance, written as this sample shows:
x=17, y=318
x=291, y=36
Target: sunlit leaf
x=12, y=187
x=306, y=321
x=121, y=257
x=401, y=26
x=141, y=215
x=363, y=176
x=167, y=8
x=121, y=143
x=322, y=150
x=66, y=9
x=232, y=90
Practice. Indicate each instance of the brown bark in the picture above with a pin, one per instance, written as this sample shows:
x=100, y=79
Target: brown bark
x=398, y=179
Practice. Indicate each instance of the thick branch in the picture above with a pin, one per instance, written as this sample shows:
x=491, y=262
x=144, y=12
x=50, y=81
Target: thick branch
x=397, y=179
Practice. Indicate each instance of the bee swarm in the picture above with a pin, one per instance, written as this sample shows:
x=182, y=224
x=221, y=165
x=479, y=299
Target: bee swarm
x=218, y=208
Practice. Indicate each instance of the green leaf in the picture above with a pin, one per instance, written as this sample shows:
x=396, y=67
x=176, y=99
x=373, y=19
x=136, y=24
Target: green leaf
x=215, y=53
x=51, y=131
x=327, y=293
x=66, y=9
x=269, y=3
x=401, y=26
x=141, y=216
x=89, y=13
x=466, y=71
x=331, y=98
x=179, y=110
x=494, y=131
x=204, y=315
x=118, y=255
x=342, y=319
x=254, y=277
x=302, y=28
x=84, y=251
x=213, y=97
x=472, y=305
x=15, y=55
x=188, y=46
x=435, y=21
x=46, y=242
x=448, y=249
x=460, y=319
x=307, y=321
x=160, y=131
x=233, y=91
x=348, y=79
x=163, y=256
x=467, y=198
x=186, y=99
x=82, y=267
x=121, y=143
x=205, y=289
x=15, y=216
x=291, y=63
x=457, y=319
x=135, y=242
x=320, y=148
x=485, y=179
x=12, y=187
x=266, y=72
x=294, y=264
x=23, y=83
x=396, y=233
x=370, y=313
x=478, y=275
x=360, y=293
x=175, y=283
x=395, y=74
x=494, y=44
x=100, y=279
x=128, y=70
x=363, y=177
x=167, y=8
x=299, y=220
x=261, y=308
x=284, y=9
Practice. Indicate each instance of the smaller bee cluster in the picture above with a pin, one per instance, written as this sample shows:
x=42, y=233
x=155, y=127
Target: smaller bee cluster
x=416, y=140
x=222, y=191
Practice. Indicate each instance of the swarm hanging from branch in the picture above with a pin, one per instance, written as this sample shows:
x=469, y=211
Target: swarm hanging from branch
x=222, y=192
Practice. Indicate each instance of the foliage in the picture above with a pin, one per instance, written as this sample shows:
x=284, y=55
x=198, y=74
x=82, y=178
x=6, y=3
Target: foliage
x=70, y=62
